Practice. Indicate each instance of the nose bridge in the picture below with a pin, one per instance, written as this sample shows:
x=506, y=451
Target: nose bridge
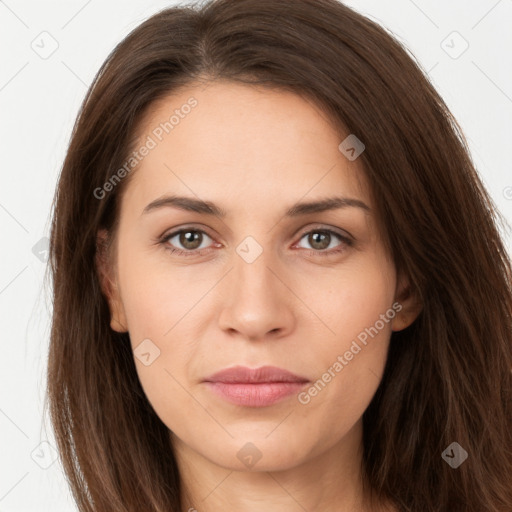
x=252, y=263
x=257, y=301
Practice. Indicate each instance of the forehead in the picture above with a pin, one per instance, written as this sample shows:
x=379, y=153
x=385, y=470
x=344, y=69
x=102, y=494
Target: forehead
x=229, y=143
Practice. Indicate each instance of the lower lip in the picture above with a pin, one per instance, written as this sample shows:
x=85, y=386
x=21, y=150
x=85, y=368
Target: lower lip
x=255, y=395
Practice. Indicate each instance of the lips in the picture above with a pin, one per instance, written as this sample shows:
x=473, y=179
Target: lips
x=257, y=387
x=261, y=375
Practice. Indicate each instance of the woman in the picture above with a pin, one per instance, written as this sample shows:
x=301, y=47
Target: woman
x=202, y=356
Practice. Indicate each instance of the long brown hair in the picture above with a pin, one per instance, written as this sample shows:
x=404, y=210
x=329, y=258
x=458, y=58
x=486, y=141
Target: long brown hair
x=448, y=376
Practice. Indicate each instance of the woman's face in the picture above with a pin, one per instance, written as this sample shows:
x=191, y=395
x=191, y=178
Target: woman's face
x=309, y=291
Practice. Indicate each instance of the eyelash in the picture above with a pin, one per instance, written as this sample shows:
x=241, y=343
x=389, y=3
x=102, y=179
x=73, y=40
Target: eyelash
x=346, y=241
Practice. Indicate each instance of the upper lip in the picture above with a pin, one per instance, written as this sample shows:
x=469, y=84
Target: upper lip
x=242, y=374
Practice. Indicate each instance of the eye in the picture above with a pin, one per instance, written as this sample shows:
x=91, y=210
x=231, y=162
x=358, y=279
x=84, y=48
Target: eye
x=189, y=238
x=322, y=239
x=192, y=242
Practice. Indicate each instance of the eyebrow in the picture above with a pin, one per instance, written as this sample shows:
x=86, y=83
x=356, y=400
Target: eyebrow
x=191, y=204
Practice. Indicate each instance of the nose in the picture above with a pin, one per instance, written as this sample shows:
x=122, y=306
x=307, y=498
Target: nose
x=258, y=301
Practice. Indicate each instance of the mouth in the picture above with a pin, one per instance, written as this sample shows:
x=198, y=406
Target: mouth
x=259, y=387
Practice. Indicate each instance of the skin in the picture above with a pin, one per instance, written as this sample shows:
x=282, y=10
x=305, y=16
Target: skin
x=255, y=152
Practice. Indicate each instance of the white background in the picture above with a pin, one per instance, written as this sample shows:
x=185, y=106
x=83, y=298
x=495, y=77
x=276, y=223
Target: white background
x=39, y=99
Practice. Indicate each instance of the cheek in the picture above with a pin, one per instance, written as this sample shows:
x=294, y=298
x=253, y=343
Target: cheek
x=353, y=298
x=157, y=308
x=350, y=359
x=158, y=295
x=158, y=305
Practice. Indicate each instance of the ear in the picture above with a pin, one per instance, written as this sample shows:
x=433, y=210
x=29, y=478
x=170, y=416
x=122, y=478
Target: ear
x=410, y=303
x=108, y=283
